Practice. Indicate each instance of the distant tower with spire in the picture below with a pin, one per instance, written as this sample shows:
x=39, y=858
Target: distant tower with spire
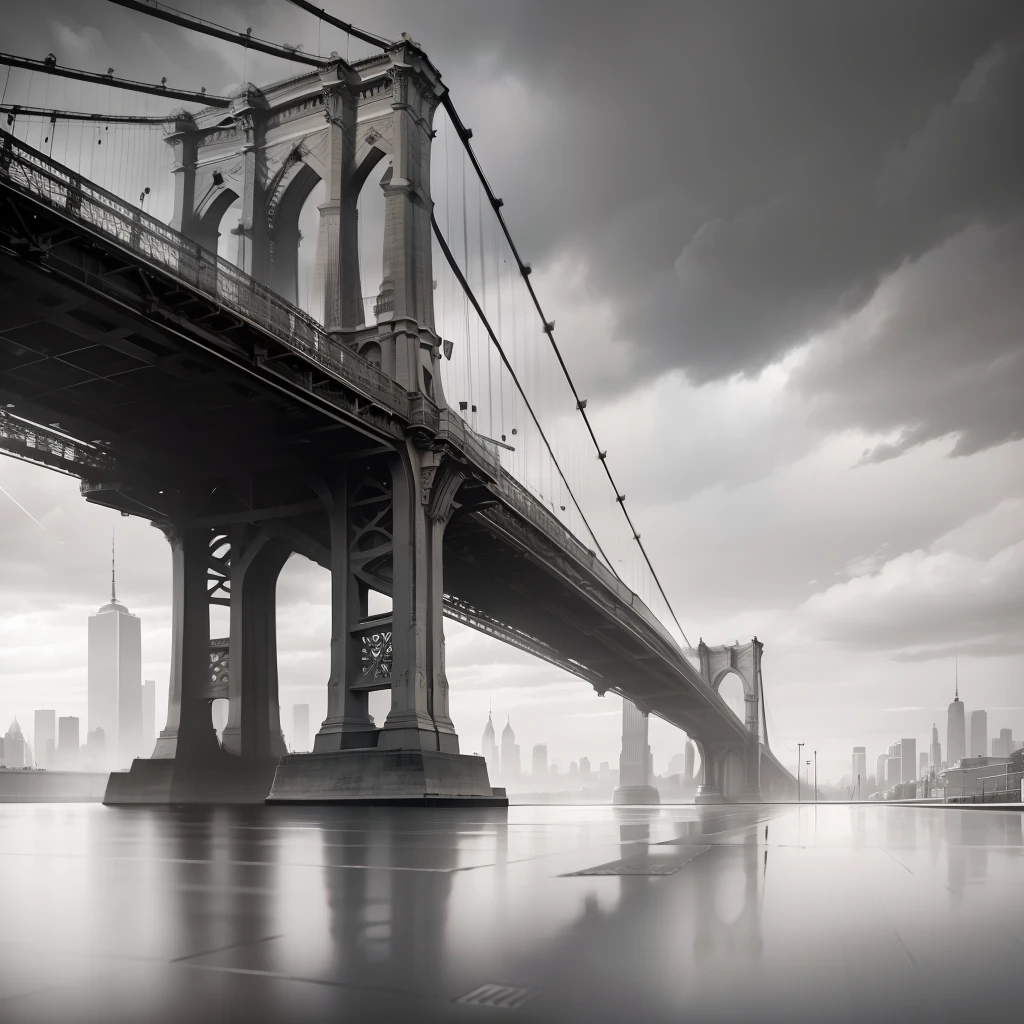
x=956, y=730
x=489, y=748
x=510, y=761
x=935, y=751
x=115, y=676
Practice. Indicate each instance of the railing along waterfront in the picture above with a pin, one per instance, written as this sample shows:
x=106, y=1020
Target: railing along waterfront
x=221, y=281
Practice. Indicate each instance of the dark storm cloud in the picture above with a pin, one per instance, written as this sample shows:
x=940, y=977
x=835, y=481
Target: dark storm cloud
x=943, y=356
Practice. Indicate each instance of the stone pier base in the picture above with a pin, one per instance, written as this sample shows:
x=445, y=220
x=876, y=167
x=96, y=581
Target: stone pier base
x=708, y=795
x=389, y=777
x=224, y=780
x=636, y=795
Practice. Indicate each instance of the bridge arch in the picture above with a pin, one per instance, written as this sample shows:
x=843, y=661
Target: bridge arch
x=293, y=187
x=210, y=214
x=730, y=686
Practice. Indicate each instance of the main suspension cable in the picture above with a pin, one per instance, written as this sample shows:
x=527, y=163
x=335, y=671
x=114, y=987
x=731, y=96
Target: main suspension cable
x=49, y=67
x=16, y=110
x=246, y=39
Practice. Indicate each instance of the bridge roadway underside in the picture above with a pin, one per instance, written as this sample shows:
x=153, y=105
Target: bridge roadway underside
x=192, y=407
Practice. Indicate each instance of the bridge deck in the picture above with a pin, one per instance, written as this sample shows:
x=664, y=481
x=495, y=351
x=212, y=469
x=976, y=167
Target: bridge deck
x=173, y=365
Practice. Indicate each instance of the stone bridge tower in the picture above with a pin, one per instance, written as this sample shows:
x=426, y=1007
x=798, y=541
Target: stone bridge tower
x=733, y=771
x=373, y=511
x=336, y=125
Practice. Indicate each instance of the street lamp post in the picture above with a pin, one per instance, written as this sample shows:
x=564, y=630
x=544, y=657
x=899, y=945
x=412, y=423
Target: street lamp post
x=799, y=768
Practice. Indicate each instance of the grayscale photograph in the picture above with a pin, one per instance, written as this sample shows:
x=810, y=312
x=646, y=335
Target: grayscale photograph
x=511, y=510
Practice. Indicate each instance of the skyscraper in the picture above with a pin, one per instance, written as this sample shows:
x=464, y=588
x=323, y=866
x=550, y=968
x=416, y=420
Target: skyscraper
x=489, y=748
x=1002, y=745
x=67, y=743
x=922, y=765
x=584, y=769
x=540, y=761
x=880, y=771
x=14, y=746
x=956, y=734
x=908, y=757
x=510, y=764
x=148, y=717
x=300, y=727
x=688, y=763
x=977, y=733
x=44, y=738
x=115, y=678
x=893, y=771
x=935, y=751
x=860, y=770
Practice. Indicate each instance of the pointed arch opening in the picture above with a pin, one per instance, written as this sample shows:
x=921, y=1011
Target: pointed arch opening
x=211, y=215
x=367, y=186
x=730, y=688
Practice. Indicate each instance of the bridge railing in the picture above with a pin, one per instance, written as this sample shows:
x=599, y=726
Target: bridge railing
x=206, y=272
x=56, y=450
x=519, y=498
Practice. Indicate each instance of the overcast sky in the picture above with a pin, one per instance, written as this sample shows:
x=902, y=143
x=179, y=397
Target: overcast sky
x=785, y=244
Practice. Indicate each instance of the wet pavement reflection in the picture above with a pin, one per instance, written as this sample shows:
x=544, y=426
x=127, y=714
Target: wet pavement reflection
x=533, y=914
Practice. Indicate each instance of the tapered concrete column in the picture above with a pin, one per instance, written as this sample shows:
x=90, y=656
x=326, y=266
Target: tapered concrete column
x=254, y=719
x=189, y=734
x=348, y=723
x=708, y=791
x=635, y=760
x=750, y=792
x=183, y=140
x=408, y=276
x=253, y=257
x=419, y=718
x=337, y=249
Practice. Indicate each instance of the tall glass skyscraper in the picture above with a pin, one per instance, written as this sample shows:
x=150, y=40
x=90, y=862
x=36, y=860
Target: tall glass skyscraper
x=115, y=679
x=978, y=734
x=956, y=733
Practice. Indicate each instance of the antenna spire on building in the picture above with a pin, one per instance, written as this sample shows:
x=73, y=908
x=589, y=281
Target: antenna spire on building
x=113, y=564
x=956, y=676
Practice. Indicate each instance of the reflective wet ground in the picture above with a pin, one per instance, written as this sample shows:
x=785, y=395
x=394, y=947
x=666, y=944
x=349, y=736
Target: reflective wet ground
x=535, y=914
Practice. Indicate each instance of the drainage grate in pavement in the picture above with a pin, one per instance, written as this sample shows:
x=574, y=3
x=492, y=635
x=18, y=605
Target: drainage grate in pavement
x=500, y=997
x=648, y=863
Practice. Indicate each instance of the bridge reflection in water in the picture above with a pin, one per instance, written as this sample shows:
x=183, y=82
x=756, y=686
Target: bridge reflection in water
x=598, y=914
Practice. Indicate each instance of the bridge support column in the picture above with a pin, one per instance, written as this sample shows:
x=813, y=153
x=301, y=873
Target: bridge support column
x=414, y=758
x=348, y=723
x=253, y=240
x=635, y=760
x=189, y=735
x=708, y=791
x=188, y=764
x=253, y=730
x=419, y=718
x=337, y=247
x=750, y=792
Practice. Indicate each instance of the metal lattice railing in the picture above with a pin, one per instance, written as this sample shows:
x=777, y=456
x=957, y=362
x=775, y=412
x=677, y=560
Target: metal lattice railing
x=204, y=271
x=38, y=444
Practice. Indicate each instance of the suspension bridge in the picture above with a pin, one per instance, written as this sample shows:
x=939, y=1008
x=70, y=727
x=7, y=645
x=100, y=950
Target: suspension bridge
x=401, y=414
